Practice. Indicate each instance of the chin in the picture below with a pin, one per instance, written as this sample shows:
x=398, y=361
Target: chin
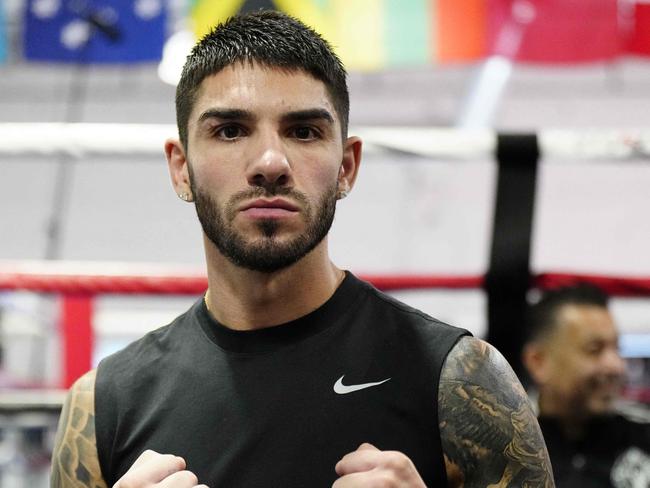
x=602, y=406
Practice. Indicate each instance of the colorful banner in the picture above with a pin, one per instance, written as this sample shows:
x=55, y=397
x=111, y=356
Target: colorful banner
x=379, y=34
x=460, y=30
x=554, y=31
x=3, y=36
x=205, y=14
x=375, y=34
x=95, y=31
x=637, y=23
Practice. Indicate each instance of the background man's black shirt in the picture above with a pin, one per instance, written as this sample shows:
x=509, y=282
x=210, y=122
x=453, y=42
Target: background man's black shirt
x=614, y=453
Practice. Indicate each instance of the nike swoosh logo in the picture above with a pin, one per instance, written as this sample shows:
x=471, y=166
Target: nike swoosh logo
x=342, y=389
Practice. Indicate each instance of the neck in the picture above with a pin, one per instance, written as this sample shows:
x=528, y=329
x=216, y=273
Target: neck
x=243, y=299
x=572, y=419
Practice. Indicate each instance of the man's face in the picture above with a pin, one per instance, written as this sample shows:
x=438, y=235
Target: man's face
x=265, y=161
x=583, y=367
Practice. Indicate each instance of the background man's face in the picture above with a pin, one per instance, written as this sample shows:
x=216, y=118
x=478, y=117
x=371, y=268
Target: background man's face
x=585, y=369
x=265, y=151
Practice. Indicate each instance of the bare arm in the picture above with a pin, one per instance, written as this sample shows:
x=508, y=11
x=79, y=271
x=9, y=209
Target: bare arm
x=74, y=459
x=490, y=435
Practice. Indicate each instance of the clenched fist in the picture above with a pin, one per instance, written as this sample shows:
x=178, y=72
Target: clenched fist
x=369, y=467
x=155, y=470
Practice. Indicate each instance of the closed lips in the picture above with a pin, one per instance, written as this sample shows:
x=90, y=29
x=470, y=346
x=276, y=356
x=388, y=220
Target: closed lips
x=276, y=203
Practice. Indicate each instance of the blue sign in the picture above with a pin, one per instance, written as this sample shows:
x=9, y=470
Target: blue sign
x=94, y=31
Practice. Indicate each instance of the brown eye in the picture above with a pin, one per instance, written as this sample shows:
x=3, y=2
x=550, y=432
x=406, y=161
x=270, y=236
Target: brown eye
x=304, y=133
x=230, y=132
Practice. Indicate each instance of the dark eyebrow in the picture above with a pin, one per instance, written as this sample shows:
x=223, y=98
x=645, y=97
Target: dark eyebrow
x=226, y=114
x=308, y=114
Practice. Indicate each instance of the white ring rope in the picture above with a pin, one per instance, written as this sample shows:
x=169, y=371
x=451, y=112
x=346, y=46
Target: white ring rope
x=145, y=140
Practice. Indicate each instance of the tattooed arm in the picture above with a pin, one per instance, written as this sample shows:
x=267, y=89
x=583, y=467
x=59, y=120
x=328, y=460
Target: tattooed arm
x=74, y=459
x=490, y=435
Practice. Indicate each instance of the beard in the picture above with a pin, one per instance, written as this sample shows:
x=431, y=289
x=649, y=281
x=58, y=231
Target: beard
x=267, y=253
x=602, y=391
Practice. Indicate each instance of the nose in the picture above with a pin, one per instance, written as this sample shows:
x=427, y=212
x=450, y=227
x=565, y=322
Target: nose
x=269, y=167
x=613, y=361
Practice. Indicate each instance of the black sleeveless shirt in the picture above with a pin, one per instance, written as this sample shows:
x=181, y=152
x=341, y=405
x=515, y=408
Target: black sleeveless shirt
x=261, y=409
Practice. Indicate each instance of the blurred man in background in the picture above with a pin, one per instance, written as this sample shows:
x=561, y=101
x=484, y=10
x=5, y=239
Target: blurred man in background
x=573, y=358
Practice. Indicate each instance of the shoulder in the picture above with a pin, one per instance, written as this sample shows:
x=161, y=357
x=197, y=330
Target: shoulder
x=74, y=458
x=474, y=361
x=84, y=386
x=488, y=429
x=633, y=413
x=380, y=299
x=143, y=353
x=392, y=308
x=81, y=396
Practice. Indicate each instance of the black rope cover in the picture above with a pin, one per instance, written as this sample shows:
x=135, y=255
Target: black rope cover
x=508, y=277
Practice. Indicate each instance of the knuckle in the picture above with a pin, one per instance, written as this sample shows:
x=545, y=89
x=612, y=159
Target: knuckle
x=176, y=463
x=126, y=482
x=149, y=453
x=397, y=461
x=385, y=480
x=189, y=477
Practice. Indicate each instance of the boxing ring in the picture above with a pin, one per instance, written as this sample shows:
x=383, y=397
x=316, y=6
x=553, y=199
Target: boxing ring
x=77, y=285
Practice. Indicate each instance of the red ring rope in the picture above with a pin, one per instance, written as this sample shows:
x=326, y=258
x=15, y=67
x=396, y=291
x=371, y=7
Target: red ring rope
x=78, y=289
x=195, y=284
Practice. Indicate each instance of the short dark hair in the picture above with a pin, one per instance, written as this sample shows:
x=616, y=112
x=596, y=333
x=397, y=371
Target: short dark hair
x=272, y=39
x=543, y=315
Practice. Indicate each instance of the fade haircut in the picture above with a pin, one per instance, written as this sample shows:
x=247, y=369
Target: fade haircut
x=271, y=39
x=543, y=316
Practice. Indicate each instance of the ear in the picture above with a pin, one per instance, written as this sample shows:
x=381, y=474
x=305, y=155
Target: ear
x=349, y=166
x=178, y=169
x=535, y=359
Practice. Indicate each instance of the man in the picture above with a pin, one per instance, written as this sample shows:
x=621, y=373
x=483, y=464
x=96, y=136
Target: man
x=572, y=356
x=289, y=372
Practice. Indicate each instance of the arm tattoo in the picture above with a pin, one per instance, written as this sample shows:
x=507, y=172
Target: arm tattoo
x=489, y=433
x=74, y=459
